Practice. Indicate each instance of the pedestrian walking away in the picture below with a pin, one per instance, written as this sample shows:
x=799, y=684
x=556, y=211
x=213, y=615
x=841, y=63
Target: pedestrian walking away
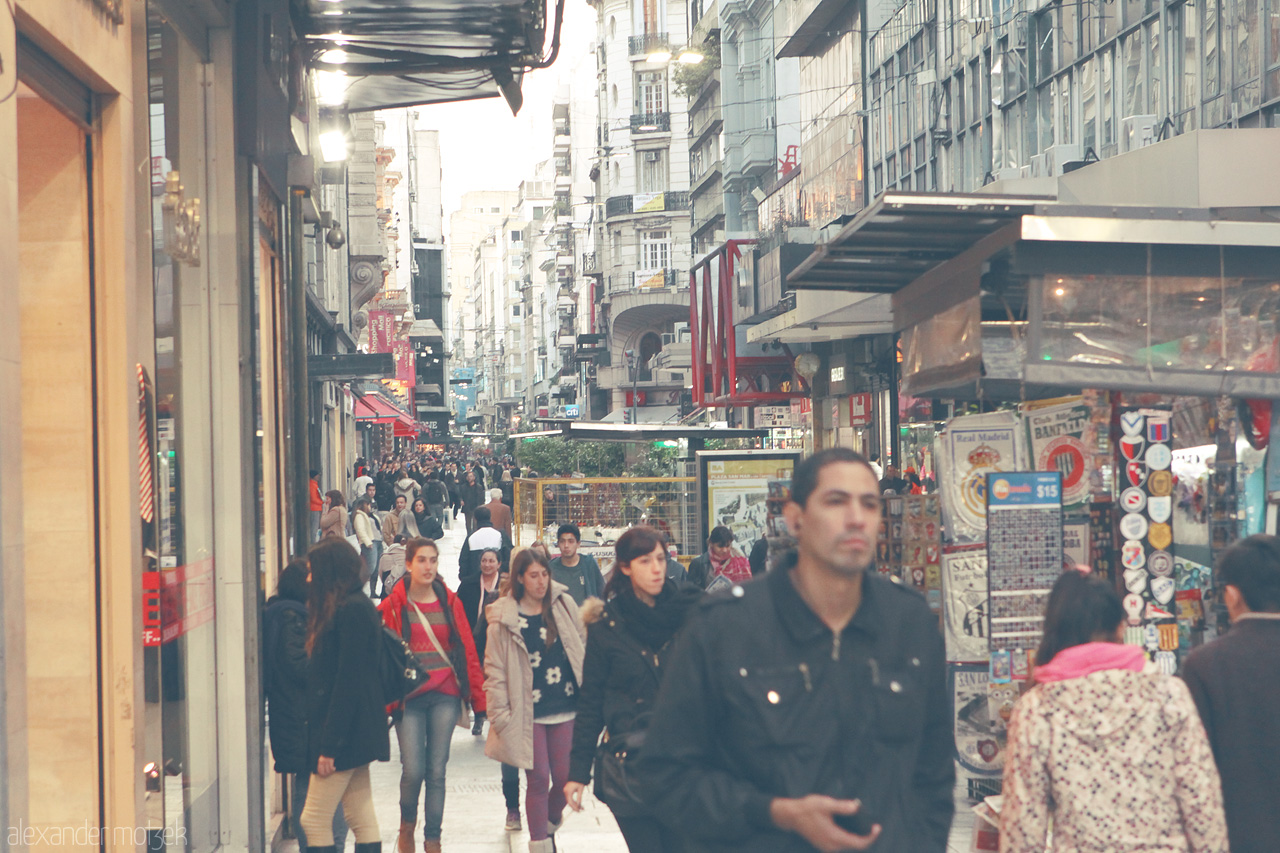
x=440, y=637
x=580, y=573
x=629, y=641
x=499, y=513
x=1235, y=682
x=284, y=679
x=808, y=710
x=472, y=495
x=333, y=521
x=1105, y=752
x=437, y=495
x=347, y=726
x=533, y=666
x=406, y=487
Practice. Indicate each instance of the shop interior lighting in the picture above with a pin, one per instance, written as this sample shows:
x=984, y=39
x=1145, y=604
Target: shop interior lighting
x=337, y=56
x=331, y=88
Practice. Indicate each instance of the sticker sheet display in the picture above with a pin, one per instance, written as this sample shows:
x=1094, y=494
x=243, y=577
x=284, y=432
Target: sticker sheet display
x=1102, y=546
x=1144, y=525
x=1024, y=556
x=922, y=546
x=971, y=448
x=966, y=626
x=1056, y=442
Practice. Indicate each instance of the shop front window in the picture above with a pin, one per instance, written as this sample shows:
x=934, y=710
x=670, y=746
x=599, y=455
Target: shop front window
x=181, y=662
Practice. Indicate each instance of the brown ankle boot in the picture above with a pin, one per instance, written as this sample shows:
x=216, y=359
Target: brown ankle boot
x=431, y=845
x=404, y=843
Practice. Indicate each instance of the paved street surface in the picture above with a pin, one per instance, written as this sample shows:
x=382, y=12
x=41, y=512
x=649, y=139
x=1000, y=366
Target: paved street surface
x=474, y=810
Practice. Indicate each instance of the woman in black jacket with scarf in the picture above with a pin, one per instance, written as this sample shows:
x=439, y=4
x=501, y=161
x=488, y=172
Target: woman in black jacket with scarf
x=347, y=717
x=628, y=640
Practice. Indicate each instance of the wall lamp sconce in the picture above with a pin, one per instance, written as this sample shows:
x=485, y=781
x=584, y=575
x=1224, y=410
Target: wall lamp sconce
x=334, y=237
x=335, y=127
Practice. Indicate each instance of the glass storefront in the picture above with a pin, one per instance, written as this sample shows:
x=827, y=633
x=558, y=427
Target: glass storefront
x=181, y=661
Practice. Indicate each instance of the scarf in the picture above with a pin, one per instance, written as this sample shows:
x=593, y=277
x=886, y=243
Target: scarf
x=1088, y=658
x=653, y=627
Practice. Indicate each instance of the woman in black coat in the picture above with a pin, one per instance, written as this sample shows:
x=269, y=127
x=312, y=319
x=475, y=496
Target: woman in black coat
x=284, y=671
x=347, y=717
x=628, y=641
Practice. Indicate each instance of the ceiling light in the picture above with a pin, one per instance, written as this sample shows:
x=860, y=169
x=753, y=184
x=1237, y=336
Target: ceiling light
x=335, y=56
x=331, y=87
x=333, y=146
x=689, y=57
x=660, y=56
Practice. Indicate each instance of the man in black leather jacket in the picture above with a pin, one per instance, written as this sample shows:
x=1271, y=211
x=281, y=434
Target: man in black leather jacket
x=808, y=697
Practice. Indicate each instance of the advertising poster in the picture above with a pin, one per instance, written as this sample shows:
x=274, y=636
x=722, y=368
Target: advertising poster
x=981, y=729
x=973, y=447
x=1055, y=440
x=745, y=492
x=1024, y=557
x=964, y=604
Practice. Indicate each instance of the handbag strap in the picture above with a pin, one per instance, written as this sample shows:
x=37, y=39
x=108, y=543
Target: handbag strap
x=431, y=635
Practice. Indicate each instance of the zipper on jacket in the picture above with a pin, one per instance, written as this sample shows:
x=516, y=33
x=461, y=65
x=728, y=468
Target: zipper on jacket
x=804, y=670
x=835, y=646
x=875, y=672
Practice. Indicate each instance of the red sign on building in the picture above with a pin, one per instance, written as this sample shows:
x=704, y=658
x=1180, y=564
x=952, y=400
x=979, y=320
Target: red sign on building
x=381, y=327
x=859, y=410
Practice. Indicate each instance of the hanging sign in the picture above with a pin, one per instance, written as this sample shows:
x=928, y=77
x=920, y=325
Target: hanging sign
x=1056, y=442
x=964, y=604
x=860, y=410
x=973, y=447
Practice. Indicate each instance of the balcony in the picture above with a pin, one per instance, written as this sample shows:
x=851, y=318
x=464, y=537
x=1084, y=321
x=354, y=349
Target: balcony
x=651, y=122
x=647, y=281
x=623, y=205
x=642, y=46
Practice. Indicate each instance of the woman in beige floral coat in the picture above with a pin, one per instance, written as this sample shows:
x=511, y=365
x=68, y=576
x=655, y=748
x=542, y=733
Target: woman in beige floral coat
x=1105, y=755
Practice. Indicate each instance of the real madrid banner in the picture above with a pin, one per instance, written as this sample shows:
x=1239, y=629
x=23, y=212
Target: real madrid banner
x=972, y=447
x=1055, y=437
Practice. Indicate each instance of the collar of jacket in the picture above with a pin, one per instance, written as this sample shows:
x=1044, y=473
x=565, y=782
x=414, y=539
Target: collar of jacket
x=506, y=610
x=805, y=625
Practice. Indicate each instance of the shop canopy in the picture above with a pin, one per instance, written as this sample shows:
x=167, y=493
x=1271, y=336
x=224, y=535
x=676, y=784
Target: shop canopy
x=1004, y=296
x=374, y=409
x=400, y=53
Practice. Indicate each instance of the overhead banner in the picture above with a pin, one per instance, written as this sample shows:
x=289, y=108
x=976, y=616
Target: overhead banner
x=1055, y=438
x=381, y=328
x=971, y=448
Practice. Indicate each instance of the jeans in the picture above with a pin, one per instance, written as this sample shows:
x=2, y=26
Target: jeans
x=551, y=745
x=425, y=732
x=315, y=525
x=438, y=511
x=298, y=799
x=349, y=787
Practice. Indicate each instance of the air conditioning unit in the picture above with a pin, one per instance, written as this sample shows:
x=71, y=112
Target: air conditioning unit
x=1137, y=132
x=1055, y=156
x=668, y=338
x=653, y=156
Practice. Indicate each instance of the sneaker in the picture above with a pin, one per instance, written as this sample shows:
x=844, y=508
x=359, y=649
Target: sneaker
x=513, y=821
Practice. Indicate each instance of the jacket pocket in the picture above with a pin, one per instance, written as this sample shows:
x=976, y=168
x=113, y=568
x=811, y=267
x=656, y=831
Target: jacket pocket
x=899, y=704
x=774, y=702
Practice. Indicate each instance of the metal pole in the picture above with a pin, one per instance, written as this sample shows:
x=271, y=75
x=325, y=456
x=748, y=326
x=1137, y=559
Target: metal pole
x=298, y=335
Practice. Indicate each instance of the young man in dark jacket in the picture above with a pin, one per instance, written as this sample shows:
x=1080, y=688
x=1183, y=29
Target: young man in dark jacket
x=808, y=710
x=1235, y=682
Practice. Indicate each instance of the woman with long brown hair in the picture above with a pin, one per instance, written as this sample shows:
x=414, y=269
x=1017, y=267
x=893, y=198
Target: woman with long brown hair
x=333, y=521
x=447, y=654
x=533, y=666
x=347, y=726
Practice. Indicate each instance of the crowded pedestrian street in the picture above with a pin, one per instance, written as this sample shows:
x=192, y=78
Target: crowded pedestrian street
x=660, y=426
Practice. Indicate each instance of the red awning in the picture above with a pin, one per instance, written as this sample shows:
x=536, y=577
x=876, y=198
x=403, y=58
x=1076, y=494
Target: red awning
x=379, y=411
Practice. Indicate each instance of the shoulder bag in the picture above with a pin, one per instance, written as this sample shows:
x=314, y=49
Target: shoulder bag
x=612, y=783
x=398, y=671
x=464, y=713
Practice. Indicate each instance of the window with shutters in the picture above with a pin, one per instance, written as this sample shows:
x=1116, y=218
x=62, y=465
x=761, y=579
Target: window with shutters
x=655, y=249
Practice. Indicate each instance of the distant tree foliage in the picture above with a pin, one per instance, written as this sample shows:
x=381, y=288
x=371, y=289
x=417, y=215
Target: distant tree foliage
x=688, y=80
x=552, y=456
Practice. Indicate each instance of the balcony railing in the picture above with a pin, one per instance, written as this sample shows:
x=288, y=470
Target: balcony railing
x=622, y=205
x=643, y=45
x=651, y=122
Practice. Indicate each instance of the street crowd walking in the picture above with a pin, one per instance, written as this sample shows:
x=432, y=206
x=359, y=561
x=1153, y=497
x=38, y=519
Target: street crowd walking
x=805, y=709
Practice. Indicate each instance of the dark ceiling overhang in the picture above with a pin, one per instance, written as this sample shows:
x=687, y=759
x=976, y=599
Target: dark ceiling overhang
x=403, y=53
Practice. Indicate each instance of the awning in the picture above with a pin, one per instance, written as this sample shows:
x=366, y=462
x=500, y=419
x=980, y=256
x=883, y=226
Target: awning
x=377, y=410
x=401, y=53
x=826, y=316
x=646, y=415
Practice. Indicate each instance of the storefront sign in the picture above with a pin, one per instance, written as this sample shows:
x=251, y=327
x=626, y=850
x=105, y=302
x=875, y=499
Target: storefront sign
x=859, y=410
x=1056, y=441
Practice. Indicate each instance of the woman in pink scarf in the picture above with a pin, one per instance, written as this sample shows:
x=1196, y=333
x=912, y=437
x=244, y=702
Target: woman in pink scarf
x=1105, y=754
